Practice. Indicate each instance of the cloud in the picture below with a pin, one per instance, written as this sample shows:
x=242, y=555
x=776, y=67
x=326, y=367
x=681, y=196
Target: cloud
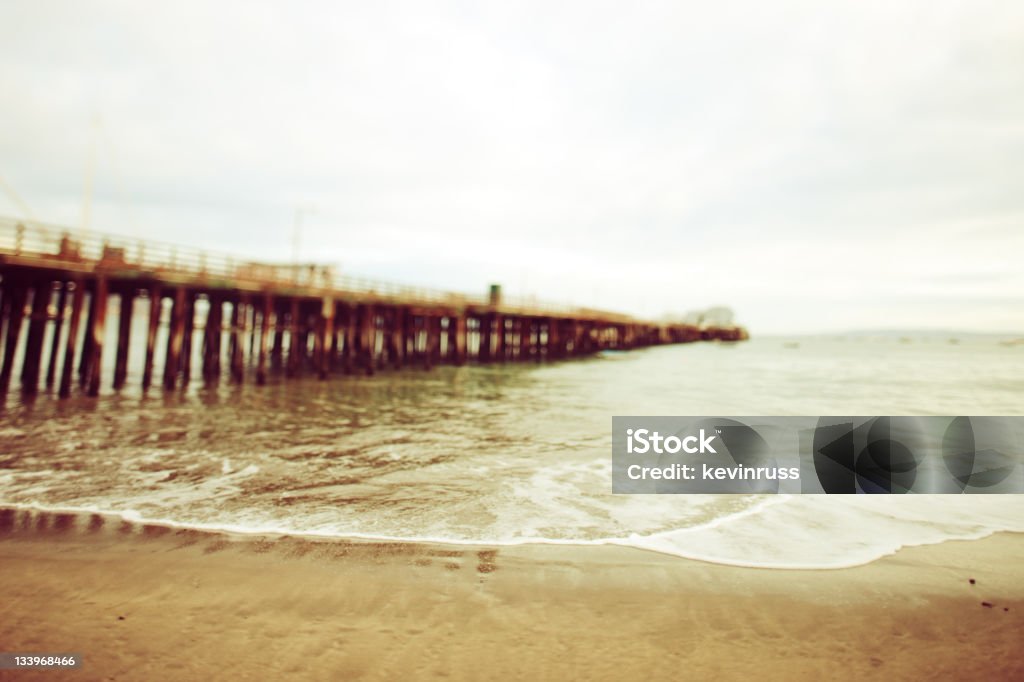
x=655, y=158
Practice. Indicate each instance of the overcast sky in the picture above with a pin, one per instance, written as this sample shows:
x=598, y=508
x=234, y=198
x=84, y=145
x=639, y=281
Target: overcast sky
x=815, y=166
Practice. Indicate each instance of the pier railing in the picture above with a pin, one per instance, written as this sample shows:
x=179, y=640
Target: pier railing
x=89, y=248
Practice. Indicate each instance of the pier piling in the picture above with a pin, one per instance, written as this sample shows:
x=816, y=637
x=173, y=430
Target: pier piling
x=77, y=300
x=152, y=325
x=96, y=331
x=41, y=294
x=264, y=342
x=15, y=317
x=237, y=348
x=58, y=323
x=175, y=338
x=124, y=330
x=212, y=338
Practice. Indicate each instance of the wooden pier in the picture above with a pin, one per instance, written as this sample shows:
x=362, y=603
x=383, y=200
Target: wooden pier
x=244, y=320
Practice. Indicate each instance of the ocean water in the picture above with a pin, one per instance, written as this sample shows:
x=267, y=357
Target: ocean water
x=513, y=453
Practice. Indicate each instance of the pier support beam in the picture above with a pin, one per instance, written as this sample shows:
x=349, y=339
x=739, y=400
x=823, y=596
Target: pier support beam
x=459, y=332
x=238, y=324
x=423, y=341
x=515, y=338
x=277, y=347
x=588, y=342
x=525, y=338
x=16, y=315
x=396, y=349
x=555, y=344
x=124, y=332
x=410, y=336
x=58, y=323
x=326, y=342
x=212, y=338
x=418, y=335
x=96, y=332
x=77, y=300
x=431, y=340
x=264, y=343
x=41, y=295
x=5, y=313
x=293, y=338
x=486, y=323
x=85, y=352
x=368, y=338
x=175, y=338
x=499, y=345
x=186, y=337
x=152, y=325
x=351, y=333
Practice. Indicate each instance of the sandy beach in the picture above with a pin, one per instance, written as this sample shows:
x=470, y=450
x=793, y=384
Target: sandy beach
x=151, y=602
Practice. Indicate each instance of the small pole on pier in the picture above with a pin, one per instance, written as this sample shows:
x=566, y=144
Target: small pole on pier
x=96, y=330
x=77, y=299
x=155, y=307
x=124, y=332
x=58, y=322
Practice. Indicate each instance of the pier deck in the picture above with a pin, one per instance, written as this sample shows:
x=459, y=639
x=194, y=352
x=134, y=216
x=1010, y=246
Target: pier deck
x=248, y=317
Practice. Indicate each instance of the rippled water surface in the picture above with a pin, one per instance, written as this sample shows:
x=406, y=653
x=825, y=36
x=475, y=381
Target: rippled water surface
x=509, y=453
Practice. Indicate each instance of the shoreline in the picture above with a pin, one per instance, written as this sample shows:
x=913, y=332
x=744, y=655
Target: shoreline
x=144, y=601
x=18, y=516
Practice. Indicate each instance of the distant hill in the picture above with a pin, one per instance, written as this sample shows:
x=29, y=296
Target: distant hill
x=927, y=334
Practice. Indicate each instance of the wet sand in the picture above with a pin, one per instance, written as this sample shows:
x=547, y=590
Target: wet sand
x=156, y=603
